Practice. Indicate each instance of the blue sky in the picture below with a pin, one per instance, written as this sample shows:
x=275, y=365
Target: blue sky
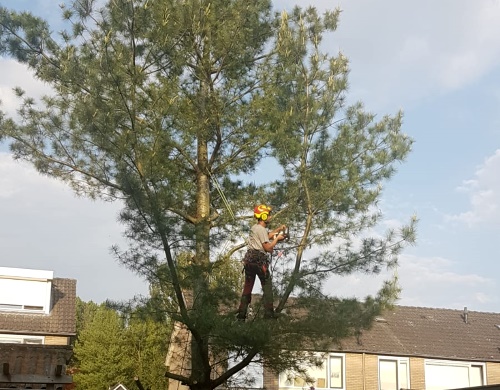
x=437, y=61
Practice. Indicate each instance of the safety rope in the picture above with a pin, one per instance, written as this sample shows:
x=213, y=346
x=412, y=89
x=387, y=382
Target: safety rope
x=221, y=193
x=217, y=186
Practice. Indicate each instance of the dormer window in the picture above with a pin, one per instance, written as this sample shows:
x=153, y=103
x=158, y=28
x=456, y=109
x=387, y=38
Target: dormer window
x=25, y=290
x=21, y=339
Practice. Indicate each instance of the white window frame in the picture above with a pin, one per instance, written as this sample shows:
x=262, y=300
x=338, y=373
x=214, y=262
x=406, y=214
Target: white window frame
x=399, y=361
x=342, y=362
x=25, y=290
x=21, y=339
x=457, y=363
x=327, y=361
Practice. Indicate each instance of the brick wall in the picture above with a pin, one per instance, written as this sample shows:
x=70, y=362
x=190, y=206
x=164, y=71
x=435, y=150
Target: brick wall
x=178, y=358
x=56, y=340
x=271, y=380
x=34, y=363
x=371, y=371
x=354, y=371
x=493, y=373
x=362, y=373
x=417, y=373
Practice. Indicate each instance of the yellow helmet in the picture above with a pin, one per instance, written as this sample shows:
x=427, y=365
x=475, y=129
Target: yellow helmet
x=262, y=212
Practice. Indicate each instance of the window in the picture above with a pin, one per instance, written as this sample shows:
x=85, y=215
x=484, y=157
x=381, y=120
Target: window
x=330, y=375
x=476, y=375
x=449, y=374
x=336, y=372
x=25, y=290
x=20, y=339
x=252, y=376
x=393, y=373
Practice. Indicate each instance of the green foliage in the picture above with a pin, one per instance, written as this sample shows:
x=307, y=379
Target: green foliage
x=147, y=342
x=101, y=352
x=110, y=350
x=170, y=106
x=85, y=313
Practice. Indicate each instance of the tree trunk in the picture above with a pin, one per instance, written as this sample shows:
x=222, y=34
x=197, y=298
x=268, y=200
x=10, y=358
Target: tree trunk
x=199, y=347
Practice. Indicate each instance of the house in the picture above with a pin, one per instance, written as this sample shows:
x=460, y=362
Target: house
x=119, y=386
x=406, y=348
x=412, y=348
x=37, y=322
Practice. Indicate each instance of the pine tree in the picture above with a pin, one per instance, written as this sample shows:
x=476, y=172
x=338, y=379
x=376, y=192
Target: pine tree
x=169, y=105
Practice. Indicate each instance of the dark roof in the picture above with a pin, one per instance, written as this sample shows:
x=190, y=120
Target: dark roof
x=431, y=333
x=60, y=322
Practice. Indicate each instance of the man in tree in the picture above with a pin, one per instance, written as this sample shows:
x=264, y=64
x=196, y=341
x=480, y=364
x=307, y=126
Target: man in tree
x=163, y=107
x=256, y=261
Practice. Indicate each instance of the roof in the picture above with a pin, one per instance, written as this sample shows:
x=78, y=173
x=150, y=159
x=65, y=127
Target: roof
x=119, y=386
x=431, y=333
x=61, y=320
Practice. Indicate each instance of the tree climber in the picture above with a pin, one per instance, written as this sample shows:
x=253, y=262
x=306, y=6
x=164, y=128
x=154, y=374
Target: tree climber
x=256, y=261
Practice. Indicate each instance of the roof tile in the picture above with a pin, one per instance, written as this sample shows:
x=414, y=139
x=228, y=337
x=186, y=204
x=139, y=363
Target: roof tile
x=60, y=321
x=431, y=332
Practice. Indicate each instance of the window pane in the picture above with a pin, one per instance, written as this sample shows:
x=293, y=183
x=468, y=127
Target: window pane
x=336, y=372
x=286, y=380
x=252, y=376
x=19, y=339
x=14, y=293
x=388, y=375
x=403, y=375
x=299, y=382
x=441, y=376
x=319, y=374
x=32, y=341
x=476, y=376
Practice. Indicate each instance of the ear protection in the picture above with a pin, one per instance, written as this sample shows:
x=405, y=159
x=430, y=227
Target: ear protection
x=261, y=212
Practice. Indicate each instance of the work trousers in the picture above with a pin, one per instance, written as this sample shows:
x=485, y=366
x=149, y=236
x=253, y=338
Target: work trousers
x=255, y=267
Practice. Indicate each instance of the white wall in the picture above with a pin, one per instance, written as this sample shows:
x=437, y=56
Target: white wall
x=25, y=289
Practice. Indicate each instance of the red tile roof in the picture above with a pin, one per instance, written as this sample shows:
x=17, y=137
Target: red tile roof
x=60, y=322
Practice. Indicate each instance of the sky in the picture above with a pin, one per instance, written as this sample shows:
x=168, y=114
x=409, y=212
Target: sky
x=438, y=62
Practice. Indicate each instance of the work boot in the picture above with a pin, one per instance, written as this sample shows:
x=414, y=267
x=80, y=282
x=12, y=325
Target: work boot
x=270, y=315
x=241, y=317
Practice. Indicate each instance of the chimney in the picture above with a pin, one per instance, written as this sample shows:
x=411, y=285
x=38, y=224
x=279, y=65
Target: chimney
x=466, y=315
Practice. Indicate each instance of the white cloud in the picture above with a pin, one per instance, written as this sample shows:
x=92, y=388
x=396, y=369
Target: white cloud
x=13, y=75
x=427, y=282
x=484, y=194
x=401, y=52
x=43, y=225
x=433, y=281
x=27, y=180
x=435, y=270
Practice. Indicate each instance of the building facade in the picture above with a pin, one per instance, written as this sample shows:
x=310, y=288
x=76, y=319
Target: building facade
x=409, y=348
x=37, y=322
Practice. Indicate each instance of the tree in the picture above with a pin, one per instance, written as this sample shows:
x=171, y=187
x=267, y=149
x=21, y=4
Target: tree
x=169, y=106
x=112, y=348
x=101, y=352
x=147, y=341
